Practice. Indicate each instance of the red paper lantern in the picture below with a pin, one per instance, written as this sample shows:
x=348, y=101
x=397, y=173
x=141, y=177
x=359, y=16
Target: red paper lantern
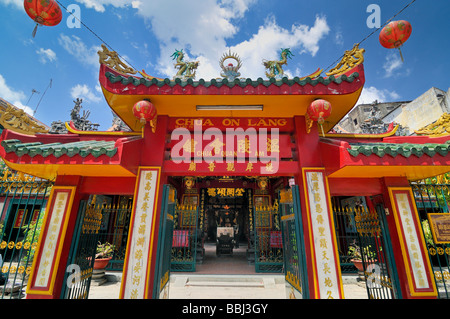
x=144, y=110
x=43, y=12
x=395, y=34
x=319, y=110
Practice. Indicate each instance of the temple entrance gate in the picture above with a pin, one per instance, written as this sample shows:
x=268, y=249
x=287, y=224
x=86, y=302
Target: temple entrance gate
x=295, y=272
x=80, y=264
x=363, y=240
x=165, y=243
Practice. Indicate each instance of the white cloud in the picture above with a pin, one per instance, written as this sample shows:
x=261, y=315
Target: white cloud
x=202, y=28
x=392, y=64
x=12, y=96
x=371, y=94
x=17, y=3
x=76, y=47
x=85, y=93
x=46, y=55
x=266, y=44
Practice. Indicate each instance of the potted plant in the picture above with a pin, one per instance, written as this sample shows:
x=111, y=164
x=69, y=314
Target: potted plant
x=354, y=252
x=103, y=255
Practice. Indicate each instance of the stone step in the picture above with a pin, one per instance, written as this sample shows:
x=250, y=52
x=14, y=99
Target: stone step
x=226, y=281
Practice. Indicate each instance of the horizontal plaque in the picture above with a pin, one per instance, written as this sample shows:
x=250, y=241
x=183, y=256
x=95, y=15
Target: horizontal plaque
x=440, y=226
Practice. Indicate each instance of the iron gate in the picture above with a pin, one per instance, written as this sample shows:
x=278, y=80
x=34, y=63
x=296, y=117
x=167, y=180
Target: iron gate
x=80, y=263
x=268, y=240
x=185, y=241
x=293, y=244
x=432, y=196
x=22, y=205
x=163, y=258
x=115, y=227
x=371, y=251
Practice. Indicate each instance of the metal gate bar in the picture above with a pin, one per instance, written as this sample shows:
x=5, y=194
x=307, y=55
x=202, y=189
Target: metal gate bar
x=184, y=243
x=76, y=285
x=23, y=204
x=115, y=227
x=372, y=251
x=268, y=239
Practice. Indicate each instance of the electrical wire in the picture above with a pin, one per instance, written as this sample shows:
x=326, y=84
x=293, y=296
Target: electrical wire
x=372, y=33
x=95, y=34
x=326, y=69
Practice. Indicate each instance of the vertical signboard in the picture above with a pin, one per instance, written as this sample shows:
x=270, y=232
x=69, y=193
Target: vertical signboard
x=326, y=267
x=46, y=261
x=140, y=240
x=417, y=265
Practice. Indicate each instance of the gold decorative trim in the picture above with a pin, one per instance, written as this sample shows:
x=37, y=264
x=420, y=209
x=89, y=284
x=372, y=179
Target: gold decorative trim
x=351, y=59
x=112, y=133
x=441, y=127
x=19, y=121
x=111, y=59
x=370, y=136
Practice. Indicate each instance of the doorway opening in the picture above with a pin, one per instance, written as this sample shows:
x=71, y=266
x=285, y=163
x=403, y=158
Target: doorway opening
x=236, y=229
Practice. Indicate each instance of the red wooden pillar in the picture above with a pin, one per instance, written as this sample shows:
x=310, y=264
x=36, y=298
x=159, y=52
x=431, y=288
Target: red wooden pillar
x=414, y=270
x=139, y=267
x=324, y=276
x=50, y=260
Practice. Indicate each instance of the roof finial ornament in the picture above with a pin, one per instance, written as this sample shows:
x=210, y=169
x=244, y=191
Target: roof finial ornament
x=230, y=71
x=186, y=70
x=351, y=58
x=274, y=67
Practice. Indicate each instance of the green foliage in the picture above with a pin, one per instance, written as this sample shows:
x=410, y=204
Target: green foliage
x=104, y=250
x=427, y=233
x=31, y=233
x=354, y=252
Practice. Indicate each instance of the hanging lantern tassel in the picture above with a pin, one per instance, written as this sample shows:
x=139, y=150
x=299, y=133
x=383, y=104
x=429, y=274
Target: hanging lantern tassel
x=320, y=121
x=35, y=30
x=401, y=55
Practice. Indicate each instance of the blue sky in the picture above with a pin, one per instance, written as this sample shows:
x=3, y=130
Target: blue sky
x=147, y=32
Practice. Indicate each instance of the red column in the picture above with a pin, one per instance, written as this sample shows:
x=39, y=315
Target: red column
x=152, y=156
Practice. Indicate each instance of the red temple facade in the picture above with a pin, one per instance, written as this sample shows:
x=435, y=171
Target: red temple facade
x=277, y=156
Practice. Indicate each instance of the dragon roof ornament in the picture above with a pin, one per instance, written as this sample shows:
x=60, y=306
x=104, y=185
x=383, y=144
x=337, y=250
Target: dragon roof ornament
x=351, y=58
x=111, y=59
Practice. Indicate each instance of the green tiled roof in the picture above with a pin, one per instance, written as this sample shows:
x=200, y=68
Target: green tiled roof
x=218, y=83
x=406, y=150
x=83, y=148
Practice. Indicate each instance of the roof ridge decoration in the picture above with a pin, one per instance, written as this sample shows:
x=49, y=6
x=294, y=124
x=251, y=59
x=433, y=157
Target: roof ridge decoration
x=186, y=69
x=440, y=127
x=231, y=71
x=242, y=83
x=275, y=67
x=111, y=59
x=19, y=121
x=351, y=58
x=394, y=149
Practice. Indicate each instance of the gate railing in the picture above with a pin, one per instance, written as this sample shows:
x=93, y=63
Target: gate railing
x=268, y=239
x=433, y=196
x=185, y=241
x=114, y=229
x=22, y=205
x=76, y=285
x=362, y=242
